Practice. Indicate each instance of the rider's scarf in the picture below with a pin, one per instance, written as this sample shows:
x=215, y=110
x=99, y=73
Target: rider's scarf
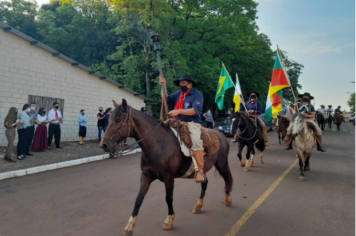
x=306, y=108
x=180, y=102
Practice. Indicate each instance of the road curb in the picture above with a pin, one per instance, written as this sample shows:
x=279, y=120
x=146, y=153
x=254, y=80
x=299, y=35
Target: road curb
x=38, y=169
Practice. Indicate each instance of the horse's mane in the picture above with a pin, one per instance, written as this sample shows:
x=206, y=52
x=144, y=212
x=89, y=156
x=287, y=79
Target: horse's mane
x=118, y=111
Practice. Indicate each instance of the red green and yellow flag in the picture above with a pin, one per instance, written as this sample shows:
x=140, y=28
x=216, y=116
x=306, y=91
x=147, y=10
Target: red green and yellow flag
x=279, y=78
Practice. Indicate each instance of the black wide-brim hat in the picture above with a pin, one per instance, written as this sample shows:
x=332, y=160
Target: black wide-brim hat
x=306, y=94
x=187, y=78
x=253, y=91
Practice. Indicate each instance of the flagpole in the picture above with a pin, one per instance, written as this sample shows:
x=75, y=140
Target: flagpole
x=285, y=72
x=235, y=87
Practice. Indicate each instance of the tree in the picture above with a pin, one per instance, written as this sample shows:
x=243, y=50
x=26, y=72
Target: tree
x=351, y=102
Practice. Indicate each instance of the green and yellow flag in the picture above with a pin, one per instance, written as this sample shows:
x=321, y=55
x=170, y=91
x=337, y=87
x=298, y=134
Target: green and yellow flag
x=225, y=83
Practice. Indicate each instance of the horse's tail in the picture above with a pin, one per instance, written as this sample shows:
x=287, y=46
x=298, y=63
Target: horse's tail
x=260, y=145
x=222, y=165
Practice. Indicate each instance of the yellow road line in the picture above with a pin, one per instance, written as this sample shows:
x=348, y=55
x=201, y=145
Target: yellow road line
x=237, y=226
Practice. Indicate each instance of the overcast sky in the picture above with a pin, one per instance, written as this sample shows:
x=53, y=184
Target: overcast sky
x=319, y=34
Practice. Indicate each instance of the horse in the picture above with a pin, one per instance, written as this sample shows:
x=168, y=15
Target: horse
x=321, y=120
x=282, y=126
x=250, y=135
x=304, y=140
x=338, y=119
x=329, y=119
x=161, y=157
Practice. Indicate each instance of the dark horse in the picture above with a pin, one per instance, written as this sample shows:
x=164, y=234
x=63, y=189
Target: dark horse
x=161, y=157
x=338, y=119
x=247, y=135
x=283, y=124
x=321, y=120
x=329, y=119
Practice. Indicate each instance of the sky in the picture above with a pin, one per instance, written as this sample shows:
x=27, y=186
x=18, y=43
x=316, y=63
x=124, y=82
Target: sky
x=319, y=34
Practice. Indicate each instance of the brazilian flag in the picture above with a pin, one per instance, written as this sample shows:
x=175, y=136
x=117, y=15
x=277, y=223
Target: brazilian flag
x=225, y=83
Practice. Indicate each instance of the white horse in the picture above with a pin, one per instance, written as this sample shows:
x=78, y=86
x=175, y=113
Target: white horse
x=304, y=140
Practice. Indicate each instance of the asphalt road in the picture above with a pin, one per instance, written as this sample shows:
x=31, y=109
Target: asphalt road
x=96, y=199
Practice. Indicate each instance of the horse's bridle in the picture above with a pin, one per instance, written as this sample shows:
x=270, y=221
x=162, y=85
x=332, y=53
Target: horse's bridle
x=127, y=122
x=238, y=135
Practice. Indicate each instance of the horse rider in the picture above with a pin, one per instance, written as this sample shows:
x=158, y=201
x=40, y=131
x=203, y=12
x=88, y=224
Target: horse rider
x=322, y=110
x=254, y=109
x=338, y=110
x=188, y=107
x=330, y=109
x=309, y=114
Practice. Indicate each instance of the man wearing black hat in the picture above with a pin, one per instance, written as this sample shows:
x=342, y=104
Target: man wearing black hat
x=309, y=114
x=254, y=108
x=188, y=107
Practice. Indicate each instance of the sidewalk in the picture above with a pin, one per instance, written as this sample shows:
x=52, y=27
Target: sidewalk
x=71, y=151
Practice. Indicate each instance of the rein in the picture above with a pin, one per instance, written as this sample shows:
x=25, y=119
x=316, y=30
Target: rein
x=247, y=139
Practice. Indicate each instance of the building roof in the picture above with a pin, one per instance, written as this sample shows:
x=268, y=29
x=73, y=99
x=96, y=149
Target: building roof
x=73, y=62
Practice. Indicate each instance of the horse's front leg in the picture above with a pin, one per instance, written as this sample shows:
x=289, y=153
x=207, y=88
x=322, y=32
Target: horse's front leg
x=252, y=156
x=301, y=166
x=145, y=185
x=169, y=184
x=199, y=205
x=239, y=154
x=248, y=154
x=307, y=164
x=279, y=137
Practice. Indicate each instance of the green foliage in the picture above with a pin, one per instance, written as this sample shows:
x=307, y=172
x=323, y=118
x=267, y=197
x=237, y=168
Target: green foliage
x=351, y=102
x=113, y=37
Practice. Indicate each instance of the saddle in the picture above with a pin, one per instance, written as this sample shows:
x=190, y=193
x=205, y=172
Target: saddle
x=180, y=128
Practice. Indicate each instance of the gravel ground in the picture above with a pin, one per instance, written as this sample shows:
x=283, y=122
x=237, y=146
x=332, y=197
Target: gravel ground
x=70, y=151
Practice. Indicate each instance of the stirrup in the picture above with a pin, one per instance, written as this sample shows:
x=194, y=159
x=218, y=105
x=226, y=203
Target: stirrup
x=195, y=175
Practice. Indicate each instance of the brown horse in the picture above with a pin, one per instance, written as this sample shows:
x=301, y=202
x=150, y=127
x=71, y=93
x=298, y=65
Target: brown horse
x=161, y=157
x=283, y=124
x=338, y=119
x=329, y=119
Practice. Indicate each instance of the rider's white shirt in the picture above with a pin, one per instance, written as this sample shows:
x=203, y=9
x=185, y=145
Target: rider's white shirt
x=321, y=110
x=330, y=109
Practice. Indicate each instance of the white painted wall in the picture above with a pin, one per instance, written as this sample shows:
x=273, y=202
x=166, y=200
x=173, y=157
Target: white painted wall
x=28, y=70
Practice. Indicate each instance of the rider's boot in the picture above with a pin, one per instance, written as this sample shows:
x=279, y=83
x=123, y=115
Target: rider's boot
x=199, y=158
x=319, y=146
x=264, y=132
x=289, y=142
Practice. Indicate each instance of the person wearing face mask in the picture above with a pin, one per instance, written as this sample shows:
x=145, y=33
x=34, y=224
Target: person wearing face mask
x=101, y=122
x=23, y=130
x=31, y=128
x=40, y=141
x=309, y=114
x=338, y=110
x=188, y=107
x=209, y=119
x=10, y=124
x=82, y=120
x=254, y=109
x=54, y=129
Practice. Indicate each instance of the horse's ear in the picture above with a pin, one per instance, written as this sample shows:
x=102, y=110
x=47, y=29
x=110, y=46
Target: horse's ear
x=115, y=103
x=124, y=105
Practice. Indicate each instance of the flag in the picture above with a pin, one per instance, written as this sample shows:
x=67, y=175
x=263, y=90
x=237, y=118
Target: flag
x=280, y=78
x=273, y=104
x=238, y=93
x=225, y=83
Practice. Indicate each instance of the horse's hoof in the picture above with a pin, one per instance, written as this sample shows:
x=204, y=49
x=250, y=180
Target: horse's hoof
x=252, y=162
x=301, y=178
x=245, y=169
x=131, y=224
x=196, y=210
x=168, y=223
x=242, y=164
x=307, y=168
x=228, y=202
x=127, y=233
x=261, y=162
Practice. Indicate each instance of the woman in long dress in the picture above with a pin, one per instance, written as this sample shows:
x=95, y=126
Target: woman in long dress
x=40, y=140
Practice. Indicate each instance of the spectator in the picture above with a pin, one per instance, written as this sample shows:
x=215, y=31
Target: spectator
x=40, y=141
x=209, y=119
x=31, y=128
x=10, y=124
x=82, y=120
x=107, y=115
x=23, y=131
x=101, y=122
x=54, y=129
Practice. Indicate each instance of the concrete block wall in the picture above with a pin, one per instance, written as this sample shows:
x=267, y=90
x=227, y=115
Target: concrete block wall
x=28, y=70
